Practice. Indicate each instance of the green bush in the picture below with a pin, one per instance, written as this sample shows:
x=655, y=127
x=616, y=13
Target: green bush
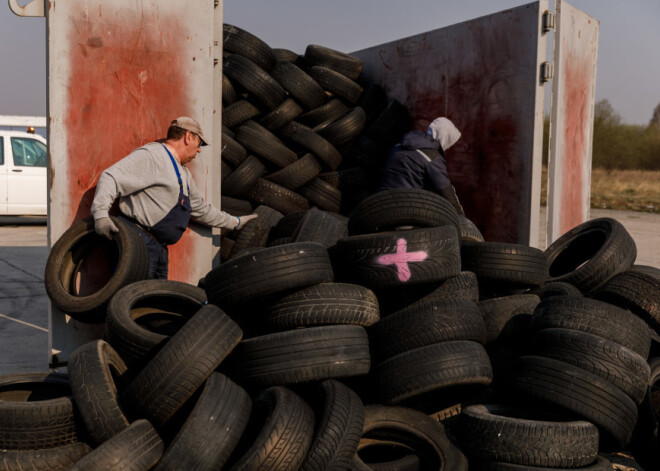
x=616, y=145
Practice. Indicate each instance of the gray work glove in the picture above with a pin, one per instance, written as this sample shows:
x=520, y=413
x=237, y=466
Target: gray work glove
x=243, y=220
x=105, y=227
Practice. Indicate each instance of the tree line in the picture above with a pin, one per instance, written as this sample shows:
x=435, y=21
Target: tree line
x=619, y=146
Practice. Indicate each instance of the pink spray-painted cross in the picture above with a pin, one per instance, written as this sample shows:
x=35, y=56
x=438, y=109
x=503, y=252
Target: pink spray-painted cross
x=401, y=258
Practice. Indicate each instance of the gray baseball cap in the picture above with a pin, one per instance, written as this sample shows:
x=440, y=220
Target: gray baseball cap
x=189, y=124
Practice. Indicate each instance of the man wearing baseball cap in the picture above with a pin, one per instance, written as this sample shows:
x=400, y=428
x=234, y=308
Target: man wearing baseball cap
x=157, y=194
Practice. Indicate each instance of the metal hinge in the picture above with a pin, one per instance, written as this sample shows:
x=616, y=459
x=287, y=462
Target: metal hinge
x=548, y=21
x=546, y=71
x=216, y=3
x=32, y=8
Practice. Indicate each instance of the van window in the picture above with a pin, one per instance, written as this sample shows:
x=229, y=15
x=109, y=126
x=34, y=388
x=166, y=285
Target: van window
x=28, y=152
x=2, y=151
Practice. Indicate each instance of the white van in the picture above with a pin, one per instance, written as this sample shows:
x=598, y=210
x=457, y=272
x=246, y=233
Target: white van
x=23, y=178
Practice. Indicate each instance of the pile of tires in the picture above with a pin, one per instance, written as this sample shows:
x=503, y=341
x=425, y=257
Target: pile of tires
x=301, y=131
x=386, y=339
x=375, y=331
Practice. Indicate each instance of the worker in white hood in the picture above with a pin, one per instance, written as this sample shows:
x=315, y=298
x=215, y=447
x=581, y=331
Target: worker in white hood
x=419, y=161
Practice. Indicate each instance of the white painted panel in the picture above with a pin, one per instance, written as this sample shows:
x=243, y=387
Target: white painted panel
x=572, y=116
x=119, y=72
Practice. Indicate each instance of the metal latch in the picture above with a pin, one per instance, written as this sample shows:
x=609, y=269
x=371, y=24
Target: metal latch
x=547, y=21
x=546, y=71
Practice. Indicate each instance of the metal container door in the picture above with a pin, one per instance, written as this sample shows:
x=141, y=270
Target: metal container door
x=118, y=73
x=484, y=75
x=572, y=119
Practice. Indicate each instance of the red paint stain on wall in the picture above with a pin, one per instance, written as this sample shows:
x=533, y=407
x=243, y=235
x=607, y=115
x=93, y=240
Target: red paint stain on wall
x=576, y=101
x=127, y=82
x=482, y=78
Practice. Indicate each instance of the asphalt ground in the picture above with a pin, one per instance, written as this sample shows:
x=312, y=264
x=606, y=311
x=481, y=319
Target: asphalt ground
x=24, y=303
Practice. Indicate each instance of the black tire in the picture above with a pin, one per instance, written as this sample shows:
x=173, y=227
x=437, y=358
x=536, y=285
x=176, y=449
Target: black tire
x=257, y=81
x=345, y=64
x=337, y=84
x=390, y=125
x=590, y=254
x=287, y=226
x=212, y=430
x=144, y=315
x=349, y=180
x=303, y=88
x=495, y=432
x=279, y=241
x=346, y=128
x=51, y=459
x=182, y=365
x=469, y=231
x=232, y=152
x=499, y=313
x=311, y=141
x=138, y=448
x=373, y=99
x=432, y=368
x=382, y=260
x=462, y=286
x=322, y=304
x=239, y=41
x=67, y=259
x=593, y=317
x=95, y=369
x=323, y=227
x=277, y=197
x=241, y=180
x=286, y=112
x=418, y=431
x=235, y=206
x=635, y=291
x=322, y=194
x=426, y=324
x=601, y=464
x=270, y=271
x=615, y=363
x=386, y=210
x=330, y=111
x=255, y=232
x=285, y=55
x=37, y=412
x=555, y=288
x=229, y=94
x=238, y=112
x=265, y=144
x=301, y=356
x=647, y=270
x=225, y=170
x=382, y=455
x=503, y=264
x=338, y=431
x=296, y=174
x=279, y=433
x=580, y=392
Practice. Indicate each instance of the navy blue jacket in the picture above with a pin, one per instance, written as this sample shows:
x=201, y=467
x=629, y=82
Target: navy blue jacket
x=406, y=167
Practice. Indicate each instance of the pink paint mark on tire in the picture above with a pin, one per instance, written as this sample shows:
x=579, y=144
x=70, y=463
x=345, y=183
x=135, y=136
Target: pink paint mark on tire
x=401, y=258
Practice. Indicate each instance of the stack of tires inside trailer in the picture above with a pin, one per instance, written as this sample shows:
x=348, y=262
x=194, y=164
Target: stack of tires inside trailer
x=345, y=328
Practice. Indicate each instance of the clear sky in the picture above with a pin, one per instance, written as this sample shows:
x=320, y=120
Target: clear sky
x=628, y=61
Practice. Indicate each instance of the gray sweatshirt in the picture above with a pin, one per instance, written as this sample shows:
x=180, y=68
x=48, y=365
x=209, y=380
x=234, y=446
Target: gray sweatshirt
x=147, y=187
